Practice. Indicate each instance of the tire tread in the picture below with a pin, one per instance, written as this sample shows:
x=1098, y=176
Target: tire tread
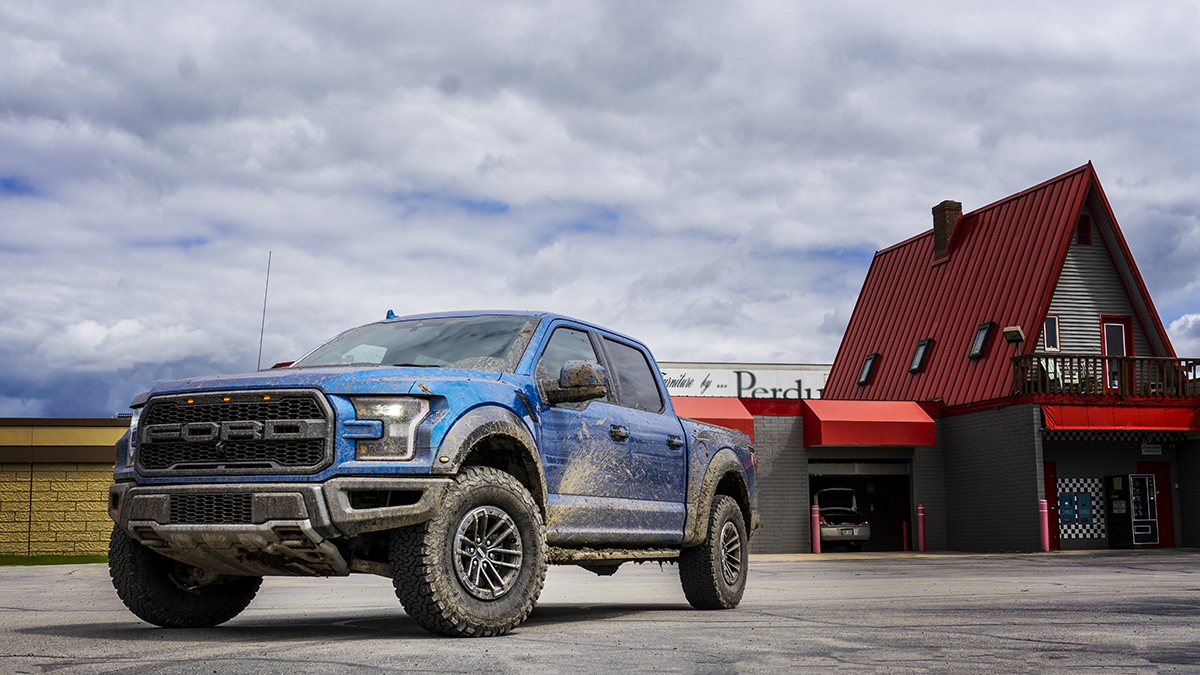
x=423, y=579
x=700, y=566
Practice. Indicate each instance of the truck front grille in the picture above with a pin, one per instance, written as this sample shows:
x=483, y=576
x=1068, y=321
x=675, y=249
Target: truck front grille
x=301, y=453
x=236, y=433
x=218, y=509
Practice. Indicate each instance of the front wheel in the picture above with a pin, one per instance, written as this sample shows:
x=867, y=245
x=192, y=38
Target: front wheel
x=170, y=593
x=477, y=568
x=714, y=573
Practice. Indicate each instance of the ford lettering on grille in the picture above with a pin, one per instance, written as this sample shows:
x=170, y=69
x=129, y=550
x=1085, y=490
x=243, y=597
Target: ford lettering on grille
x=203, y=432
x=236, y=433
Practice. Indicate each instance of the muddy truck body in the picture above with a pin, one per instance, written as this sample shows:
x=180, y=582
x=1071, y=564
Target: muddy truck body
x=456, y=454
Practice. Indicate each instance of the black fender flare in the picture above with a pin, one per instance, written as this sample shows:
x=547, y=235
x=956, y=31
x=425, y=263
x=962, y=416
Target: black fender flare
x=494, y=423
x=724, y=463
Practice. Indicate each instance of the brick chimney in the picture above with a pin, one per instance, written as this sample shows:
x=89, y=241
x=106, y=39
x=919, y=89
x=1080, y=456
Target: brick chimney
x=945, y=215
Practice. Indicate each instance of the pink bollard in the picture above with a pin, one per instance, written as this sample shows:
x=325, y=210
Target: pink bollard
x=816, y=529
x=921, y=528
x=1044, y=518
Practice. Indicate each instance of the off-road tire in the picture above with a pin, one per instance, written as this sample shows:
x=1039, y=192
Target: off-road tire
x=427, y=562
x=157, y=589
x=714, y=573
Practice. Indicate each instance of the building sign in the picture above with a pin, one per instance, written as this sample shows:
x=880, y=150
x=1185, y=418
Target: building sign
x=1151, y=448
x=745, y=380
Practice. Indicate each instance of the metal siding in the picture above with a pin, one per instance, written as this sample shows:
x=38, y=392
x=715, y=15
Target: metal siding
x=1089, y=287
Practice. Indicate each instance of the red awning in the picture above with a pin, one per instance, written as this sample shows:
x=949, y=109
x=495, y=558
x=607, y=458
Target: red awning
x=866, y=423
x=723, y=412
x=1111, y=417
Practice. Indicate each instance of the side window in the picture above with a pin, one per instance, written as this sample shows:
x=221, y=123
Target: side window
x=566, y=344
x=635, y=380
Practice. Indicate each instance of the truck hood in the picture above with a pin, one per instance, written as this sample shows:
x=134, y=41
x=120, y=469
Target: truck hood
x=330, y=379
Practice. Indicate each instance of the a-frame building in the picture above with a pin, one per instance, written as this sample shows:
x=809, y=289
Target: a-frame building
x=1027, y=323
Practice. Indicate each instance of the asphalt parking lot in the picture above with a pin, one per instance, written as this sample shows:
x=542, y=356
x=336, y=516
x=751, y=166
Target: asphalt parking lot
x=1119, y=611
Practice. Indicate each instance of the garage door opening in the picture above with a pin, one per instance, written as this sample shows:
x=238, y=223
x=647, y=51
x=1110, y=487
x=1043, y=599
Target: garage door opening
x=884, y=500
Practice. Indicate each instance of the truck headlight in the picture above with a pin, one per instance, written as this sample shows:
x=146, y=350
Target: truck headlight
x=398, y=418
x=131, y=448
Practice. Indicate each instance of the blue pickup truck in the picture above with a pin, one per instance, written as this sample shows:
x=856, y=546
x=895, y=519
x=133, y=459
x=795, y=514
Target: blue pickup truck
x=457, y=454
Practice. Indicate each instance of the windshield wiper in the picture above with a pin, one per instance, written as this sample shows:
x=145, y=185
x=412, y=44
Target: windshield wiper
x=415, y=365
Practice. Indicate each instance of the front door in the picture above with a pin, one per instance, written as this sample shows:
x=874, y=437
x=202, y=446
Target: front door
x=586, y=466
x=1050, y=490
x=1162, y=496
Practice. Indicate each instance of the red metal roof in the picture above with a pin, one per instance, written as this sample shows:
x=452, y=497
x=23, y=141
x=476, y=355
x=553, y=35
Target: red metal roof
x=1003, y=266
x=866, y=423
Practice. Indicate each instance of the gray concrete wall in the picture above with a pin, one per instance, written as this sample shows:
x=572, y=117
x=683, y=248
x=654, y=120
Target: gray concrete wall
x=993, y=474
x=782, y=486
x=1187, y=497
x=929, y=490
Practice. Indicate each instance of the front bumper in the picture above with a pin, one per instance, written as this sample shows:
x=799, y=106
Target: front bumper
x=271, y=528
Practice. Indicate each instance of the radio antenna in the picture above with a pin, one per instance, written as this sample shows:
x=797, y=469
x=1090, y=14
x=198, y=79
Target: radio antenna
x=263, y=330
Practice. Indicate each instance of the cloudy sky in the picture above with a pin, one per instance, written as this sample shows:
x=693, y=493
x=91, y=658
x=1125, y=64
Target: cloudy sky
x=710, y=177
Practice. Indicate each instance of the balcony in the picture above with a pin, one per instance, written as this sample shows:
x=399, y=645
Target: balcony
x=1116, y=376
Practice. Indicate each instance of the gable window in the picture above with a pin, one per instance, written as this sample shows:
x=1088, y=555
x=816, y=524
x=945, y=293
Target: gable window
x=920, y=355
x=1050, y=333
x=868, y=369
x=983, y=336
x=1083, y=231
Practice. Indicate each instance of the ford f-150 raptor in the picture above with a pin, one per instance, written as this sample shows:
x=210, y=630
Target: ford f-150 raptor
x=456, y=454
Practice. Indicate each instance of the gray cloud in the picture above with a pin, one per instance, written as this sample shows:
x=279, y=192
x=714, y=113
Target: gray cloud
x=712, y=178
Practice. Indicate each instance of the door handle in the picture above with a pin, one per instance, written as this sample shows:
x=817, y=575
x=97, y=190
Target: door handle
x=618, y=432
x=674, y=441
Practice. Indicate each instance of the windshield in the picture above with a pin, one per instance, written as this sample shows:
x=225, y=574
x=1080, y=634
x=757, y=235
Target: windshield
x=493, y=343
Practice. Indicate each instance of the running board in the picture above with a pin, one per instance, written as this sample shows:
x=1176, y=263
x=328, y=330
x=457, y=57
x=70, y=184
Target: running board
x=571, y=556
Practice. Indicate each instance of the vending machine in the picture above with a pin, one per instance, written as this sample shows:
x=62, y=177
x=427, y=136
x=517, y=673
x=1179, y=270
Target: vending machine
x=1131, y=510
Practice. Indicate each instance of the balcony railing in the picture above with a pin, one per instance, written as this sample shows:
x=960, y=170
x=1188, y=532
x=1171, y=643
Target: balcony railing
x=1088, y=374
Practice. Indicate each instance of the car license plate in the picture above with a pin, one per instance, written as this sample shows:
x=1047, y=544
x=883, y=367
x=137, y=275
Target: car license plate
x=847, y=531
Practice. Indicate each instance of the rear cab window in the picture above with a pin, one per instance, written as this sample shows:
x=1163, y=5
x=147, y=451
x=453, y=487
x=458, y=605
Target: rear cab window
x=637, y=387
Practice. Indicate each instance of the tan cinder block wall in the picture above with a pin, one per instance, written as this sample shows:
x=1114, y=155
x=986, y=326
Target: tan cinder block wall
x=54, y=478
x=14, y=509
x=66, y=514
x=70, y=509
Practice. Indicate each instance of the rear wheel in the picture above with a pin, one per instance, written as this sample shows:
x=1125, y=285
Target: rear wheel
x=853, y=546
x=713, y=574
x=170, y=593
x=477, y=568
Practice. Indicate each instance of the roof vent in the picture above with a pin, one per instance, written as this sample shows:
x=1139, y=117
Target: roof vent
x=945, y=215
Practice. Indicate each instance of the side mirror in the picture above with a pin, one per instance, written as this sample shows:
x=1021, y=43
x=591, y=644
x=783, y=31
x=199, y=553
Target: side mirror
x=578, y=381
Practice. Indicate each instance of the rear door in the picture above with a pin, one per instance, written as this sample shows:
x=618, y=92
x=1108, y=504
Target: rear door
x=656, y=444
x=1164, y=500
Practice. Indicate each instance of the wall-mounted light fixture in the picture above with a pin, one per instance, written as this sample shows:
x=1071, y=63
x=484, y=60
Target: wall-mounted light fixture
x=1013, y=334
